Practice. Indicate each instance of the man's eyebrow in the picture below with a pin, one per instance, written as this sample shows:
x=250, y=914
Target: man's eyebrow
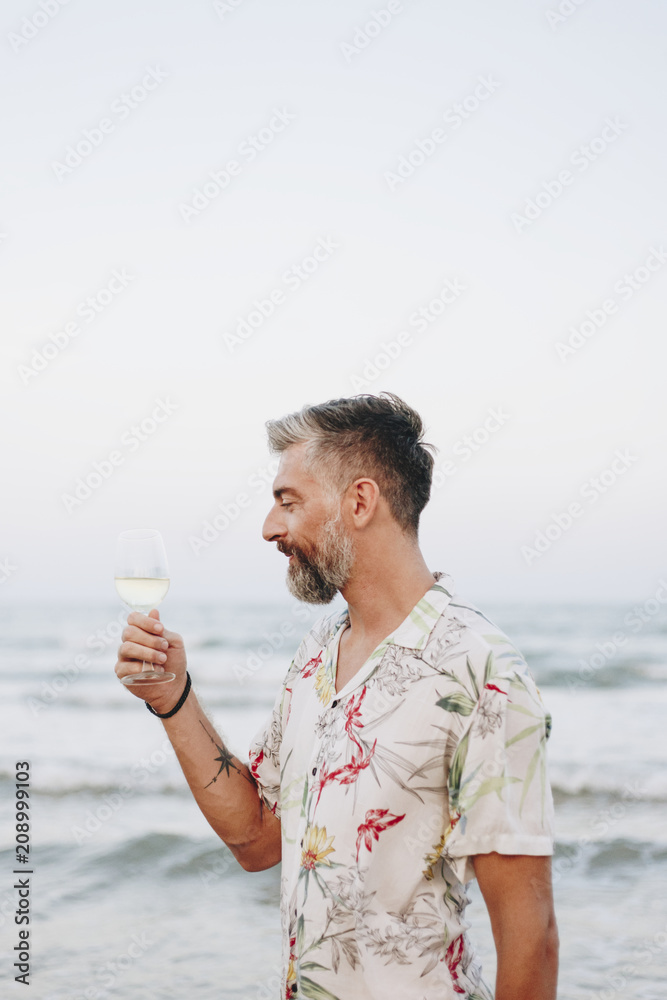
x=287, y=489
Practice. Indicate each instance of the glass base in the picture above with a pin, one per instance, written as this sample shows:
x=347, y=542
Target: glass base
x=147, y=677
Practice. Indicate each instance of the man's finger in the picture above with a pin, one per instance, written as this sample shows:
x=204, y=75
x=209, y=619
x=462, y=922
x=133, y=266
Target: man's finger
x=146, y=622
x=136, y=651
x=133, y=634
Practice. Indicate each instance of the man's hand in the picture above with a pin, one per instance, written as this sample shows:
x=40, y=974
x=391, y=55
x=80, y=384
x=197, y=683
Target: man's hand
x=518, y=895
x=145, y=639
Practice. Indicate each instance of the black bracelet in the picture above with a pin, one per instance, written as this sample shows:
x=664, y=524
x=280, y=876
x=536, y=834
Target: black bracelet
x=179, y=703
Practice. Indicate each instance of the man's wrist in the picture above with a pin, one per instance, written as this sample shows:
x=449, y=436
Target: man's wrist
x=166, y=710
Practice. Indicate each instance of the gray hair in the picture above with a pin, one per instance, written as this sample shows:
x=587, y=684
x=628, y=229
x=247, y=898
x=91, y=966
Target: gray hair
x=375, y=436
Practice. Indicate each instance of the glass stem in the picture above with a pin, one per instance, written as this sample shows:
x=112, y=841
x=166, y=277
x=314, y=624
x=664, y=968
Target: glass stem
x=146, y=668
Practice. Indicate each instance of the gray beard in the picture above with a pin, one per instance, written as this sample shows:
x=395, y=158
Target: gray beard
x=317, y=578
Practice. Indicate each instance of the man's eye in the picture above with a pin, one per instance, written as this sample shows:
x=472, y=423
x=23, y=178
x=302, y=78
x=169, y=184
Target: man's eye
x=287, y=503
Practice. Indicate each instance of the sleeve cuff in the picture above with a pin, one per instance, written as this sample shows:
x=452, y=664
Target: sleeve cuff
x=461, y=864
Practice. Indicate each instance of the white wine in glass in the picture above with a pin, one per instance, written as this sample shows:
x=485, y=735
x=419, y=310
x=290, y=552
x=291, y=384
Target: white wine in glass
x=142, y=581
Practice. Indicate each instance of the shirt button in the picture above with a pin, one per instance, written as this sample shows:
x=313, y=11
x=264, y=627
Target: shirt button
x=334, y=703
x=314, y=771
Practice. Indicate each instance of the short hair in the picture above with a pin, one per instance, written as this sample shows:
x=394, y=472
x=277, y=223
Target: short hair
x=375, y=436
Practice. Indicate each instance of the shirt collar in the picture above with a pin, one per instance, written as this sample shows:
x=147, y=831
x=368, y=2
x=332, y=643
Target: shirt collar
x=414, y=631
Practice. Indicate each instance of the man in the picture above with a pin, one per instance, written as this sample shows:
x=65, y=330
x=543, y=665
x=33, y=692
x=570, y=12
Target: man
x=406, y=751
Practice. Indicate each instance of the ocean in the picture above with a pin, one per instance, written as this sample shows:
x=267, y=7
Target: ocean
x=133, y=895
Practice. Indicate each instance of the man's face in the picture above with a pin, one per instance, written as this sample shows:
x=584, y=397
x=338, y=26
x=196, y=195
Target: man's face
x=306, y=525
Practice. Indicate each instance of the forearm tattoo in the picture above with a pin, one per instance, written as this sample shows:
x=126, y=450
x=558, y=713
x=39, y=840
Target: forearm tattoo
x=225, y=760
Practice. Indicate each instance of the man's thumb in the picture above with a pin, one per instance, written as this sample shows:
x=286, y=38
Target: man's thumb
x=154, y=613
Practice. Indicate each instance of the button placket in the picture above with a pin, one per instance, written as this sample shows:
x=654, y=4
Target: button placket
x=318, y=759
x=315, y=764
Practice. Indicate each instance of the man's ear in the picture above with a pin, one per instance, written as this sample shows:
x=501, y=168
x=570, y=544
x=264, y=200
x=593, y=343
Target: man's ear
x=362, y=498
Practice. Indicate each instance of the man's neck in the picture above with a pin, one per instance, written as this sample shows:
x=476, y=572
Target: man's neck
x=383, y=594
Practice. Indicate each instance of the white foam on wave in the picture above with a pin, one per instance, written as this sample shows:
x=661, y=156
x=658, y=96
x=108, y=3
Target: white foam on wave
x=633, y=784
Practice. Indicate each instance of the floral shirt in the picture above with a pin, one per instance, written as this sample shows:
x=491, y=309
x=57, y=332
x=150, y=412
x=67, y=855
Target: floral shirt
x=434, y=751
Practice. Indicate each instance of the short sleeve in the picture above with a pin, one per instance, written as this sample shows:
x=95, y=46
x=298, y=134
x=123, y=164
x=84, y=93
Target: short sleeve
x=499, y=793
x=264, y=755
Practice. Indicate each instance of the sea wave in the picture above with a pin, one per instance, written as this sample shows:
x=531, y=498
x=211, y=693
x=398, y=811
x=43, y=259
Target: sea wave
x=622, y=674
x=604, y=854
x=228, y=665
x=584, y=784
x=179, y=856
x=587, y=783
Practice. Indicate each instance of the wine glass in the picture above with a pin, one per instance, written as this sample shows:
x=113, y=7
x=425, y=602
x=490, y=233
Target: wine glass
x=142, y=581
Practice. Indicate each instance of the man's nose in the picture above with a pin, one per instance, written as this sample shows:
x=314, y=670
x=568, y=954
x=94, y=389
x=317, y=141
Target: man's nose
x=273, y=530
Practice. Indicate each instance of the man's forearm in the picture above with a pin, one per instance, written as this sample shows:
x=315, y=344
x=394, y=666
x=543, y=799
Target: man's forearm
x=224, y=788
x=518, y=895
x=528, y=966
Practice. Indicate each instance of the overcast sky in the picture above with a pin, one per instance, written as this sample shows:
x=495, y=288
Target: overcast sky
x=213, y=213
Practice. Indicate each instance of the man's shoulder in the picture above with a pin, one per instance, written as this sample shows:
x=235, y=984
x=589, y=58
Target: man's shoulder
x=464, y=637
x=476, y=656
